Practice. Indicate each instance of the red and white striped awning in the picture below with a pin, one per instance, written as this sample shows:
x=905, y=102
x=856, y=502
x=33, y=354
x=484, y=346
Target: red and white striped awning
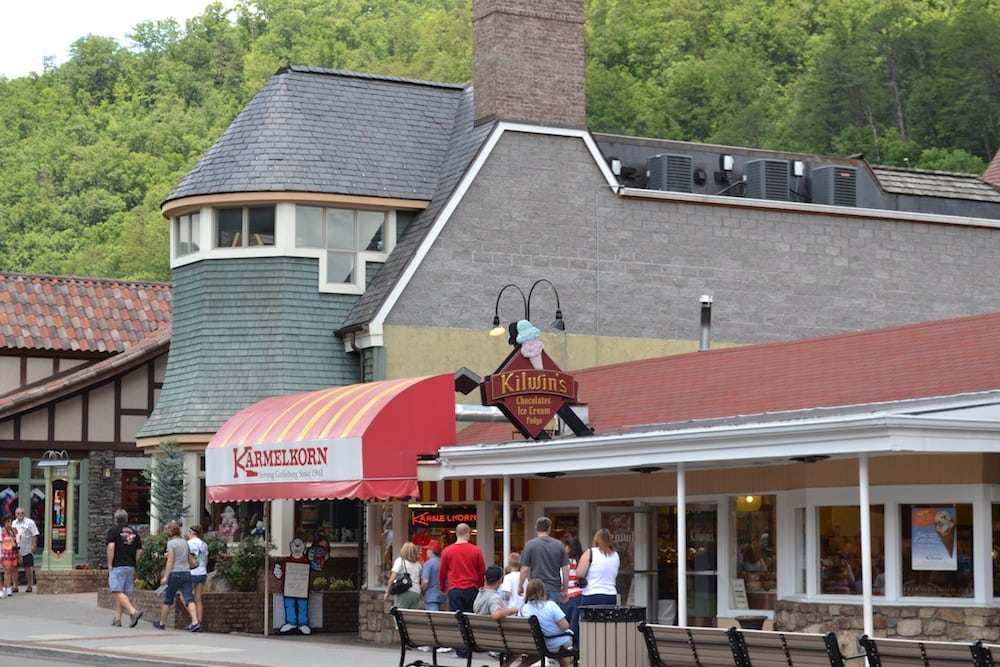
x=469, y=490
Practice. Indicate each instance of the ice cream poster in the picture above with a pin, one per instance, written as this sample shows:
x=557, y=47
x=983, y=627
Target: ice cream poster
x=934, y=538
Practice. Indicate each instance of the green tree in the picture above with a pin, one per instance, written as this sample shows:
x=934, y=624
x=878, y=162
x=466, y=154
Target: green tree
x=168, y=482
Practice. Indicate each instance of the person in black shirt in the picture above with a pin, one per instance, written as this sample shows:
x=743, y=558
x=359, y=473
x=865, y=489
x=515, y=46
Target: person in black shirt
x=124, y=551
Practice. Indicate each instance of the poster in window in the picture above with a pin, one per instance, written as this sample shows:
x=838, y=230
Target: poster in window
x=934, y=534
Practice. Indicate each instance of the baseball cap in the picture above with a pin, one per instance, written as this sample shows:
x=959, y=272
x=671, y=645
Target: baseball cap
x=494, y=573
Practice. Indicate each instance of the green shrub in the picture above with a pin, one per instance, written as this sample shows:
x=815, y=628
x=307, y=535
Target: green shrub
x=241, y=565
x=341, y=585
x=320, y=583
x=149, y=569
x=216, y=547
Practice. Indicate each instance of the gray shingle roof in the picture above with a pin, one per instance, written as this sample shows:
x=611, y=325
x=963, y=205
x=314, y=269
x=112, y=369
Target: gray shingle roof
x=465, y=143
x=935, y=184
x=332, y=132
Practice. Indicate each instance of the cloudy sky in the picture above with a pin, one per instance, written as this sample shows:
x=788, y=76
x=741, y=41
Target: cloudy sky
x=30, y=30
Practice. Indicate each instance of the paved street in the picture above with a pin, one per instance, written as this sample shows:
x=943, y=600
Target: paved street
x=42, y=630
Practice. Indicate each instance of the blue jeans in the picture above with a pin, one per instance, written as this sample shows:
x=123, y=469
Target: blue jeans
x=178, y=582
x=572, y=609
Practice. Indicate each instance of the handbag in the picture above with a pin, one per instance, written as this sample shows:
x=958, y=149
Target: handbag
x=581, y=582
x=402, y=583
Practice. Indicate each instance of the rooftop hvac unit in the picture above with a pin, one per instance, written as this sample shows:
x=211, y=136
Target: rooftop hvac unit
x=670, y=172
x=835, y=185
x=767, y=179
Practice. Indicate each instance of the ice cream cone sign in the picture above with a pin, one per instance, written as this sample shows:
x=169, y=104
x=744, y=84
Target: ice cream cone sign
x=944, y=524
x=531, y=347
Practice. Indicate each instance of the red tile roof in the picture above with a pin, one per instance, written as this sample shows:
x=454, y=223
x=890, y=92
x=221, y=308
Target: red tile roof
x=61, y=313
x=940, y=358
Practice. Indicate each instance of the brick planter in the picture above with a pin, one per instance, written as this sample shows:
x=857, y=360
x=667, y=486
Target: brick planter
x=62, y=582
x=237, y=612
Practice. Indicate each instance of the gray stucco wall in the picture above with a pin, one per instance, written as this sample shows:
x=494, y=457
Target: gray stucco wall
x=540, y=209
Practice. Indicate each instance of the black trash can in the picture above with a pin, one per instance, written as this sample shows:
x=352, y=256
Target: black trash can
x=751, y=622
x=609, y=636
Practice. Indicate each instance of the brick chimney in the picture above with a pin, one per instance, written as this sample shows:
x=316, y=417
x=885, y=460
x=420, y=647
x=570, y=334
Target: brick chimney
x=528, y=61
x=992, y=173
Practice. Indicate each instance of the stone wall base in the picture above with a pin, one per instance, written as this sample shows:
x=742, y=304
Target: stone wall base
x=912, y=622
x=375, y=624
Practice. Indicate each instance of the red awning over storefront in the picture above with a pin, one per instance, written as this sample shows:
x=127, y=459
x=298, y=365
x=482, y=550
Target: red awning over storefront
x=358, y=441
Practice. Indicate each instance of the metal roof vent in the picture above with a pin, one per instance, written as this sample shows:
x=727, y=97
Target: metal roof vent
x=670, y=172
x=767, y=179
x=836, y=185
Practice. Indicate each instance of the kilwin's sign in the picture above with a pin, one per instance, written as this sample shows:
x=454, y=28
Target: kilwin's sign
x=530, y=392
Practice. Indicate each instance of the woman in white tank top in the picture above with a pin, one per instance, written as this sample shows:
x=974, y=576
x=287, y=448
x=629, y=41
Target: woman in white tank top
x=599, y=566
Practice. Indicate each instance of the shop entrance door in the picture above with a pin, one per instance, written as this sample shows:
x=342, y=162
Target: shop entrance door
x=631, y=529
x=702, y=560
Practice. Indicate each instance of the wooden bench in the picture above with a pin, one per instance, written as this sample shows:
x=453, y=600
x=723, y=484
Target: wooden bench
x=511, y=635
x=760, y=648
x=673, y=646
x=917, y=653
x=436, y=629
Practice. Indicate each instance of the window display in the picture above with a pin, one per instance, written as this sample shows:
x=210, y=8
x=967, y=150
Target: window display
x=756, y=558
x=840, y=549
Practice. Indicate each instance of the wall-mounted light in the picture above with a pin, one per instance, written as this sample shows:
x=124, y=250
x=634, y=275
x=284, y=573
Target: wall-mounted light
x=645, y=470
x=616, y=166
x=107, y=473
x=551, y=474
x=726, y=162
x=798, y=168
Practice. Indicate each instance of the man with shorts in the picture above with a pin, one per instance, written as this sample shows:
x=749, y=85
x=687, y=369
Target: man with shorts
x=544, y=557
x=124, y=551
x=27, y=540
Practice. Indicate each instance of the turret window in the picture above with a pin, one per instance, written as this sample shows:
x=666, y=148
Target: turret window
x=244, y=227
x=349, y=237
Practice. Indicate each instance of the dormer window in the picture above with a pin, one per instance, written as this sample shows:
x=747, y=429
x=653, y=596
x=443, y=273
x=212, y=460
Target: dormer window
x=244, y=227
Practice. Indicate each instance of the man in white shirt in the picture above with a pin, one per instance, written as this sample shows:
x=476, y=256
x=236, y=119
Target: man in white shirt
x=27, y=540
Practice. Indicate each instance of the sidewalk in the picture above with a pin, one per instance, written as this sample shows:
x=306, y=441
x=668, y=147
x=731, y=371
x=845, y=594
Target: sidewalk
x=69, y=628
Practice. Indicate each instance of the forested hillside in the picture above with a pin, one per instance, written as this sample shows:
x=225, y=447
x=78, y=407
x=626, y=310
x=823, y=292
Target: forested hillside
x=89, y=149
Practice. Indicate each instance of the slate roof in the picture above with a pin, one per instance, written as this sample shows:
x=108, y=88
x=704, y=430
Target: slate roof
x=925, y=360
x=68, y=314
x=465, y=142
x=935, y=184
x=332, y=132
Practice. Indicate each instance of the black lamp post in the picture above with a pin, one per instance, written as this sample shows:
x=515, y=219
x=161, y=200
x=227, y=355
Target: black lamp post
x=511, y=329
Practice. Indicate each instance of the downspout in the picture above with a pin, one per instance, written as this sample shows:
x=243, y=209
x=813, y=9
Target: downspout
x=361, y=356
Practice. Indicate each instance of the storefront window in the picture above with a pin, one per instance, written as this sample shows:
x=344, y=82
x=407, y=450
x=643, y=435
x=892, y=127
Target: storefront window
x=336, y=520
x=937, y=556
x=236, y=521
x=755, y=558
x=516, y=530
x=996, y=550
x=840, y=549
x=135, y=496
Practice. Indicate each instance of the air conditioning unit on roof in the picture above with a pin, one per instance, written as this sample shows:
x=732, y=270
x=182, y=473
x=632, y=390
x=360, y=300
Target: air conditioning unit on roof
x=767, y=179
x=835, y=185
x=670, y=172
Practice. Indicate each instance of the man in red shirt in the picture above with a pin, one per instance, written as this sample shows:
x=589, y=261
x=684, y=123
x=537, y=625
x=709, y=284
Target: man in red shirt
x=462, y=572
